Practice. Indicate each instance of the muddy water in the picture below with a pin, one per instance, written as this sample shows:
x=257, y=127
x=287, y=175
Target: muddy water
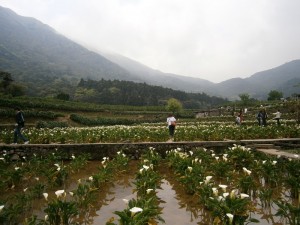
x=178, y=208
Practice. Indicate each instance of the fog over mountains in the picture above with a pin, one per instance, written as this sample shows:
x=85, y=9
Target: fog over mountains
x=283, y=78
x=36, y=55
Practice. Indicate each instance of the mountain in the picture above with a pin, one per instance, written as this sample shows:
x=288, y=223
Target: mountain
x=47, y=63
x=33, y=52
x=284, y=78
x=156, y=77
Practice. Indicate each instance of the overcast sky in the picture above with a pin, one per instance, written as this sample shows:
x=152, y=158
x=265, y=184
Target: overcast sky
x=210, y=39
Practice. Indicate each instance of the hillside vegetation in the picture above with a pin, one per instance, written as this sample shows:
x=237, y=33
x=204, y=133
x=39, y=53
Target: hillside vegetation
x=49, y=112
x=117, y=93
x=139, y=94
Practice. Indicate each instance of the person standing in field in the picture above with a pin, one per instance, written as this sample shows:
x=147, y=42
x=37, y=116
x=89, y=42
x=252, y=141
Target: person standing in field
x=20, y=123
x=259, y=118
x=171, y=121
x=277, y=117
x=264, y=117
x=238, y=120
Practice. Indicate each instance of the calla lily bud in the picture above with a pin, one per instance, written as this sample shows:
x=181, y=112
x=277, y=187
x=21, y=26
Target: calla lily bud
x=45, y=196
x=230, y=216
x=149, y=190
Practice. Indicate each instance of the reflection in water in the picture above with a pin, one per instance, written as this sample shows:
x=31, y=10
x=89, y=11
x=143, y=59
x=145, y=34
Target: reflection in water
x=114, y=202
x=175, y=211
x=121, y=189
x=178, y=208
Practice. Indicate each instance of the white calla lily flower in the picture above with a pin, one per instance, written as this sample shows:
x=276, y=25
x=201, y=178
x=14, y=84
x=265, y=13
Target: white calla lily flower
x=146, y=167
x=215, y=191
x=149, y=190
x=230, y=216
x=244, y=196
x=225, y=194
x=59, y=193
x=223, y=186
x=45, y=196
x=135, y=210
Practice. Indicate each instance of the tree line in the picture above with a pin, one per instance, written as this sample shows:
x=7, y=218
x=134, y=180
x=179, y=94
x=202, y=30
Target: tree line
x=139, y=94
x=111, y=92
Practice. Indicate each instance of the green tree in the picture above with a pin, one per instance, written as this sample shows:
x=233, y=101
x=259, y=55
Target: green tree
x=174, y=106
x=16, y=90
x=9, y=87
x=245, y=98
x=63, y=96
x=6, y=81
x=274, y=95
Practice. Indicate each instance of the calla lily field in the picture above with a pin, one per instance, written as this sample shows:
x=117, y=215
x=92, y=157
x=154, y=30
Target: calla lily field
x=235, y=185
x=250, y=182
x=154, y=132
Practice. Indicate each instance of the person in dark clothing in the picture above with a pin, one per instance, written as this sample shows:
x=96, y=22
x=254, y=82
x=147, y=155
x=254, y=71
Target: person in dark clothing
x=264, y=117
x=20, y=123
x=259, y=118
x=241, y=116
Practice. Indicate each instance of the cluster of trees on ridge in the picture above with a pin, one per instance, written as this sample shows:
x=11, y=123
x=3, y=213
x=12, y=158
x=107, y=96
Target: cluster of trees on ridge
x=139, y=94
x=113, y=92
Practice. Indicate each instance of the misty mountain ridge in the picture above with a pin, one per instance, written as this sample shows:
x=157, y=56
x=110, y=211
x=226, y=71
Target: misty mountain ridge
x=156, y=77
x=36, y=55
x=30, y=46
x=282, y=78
